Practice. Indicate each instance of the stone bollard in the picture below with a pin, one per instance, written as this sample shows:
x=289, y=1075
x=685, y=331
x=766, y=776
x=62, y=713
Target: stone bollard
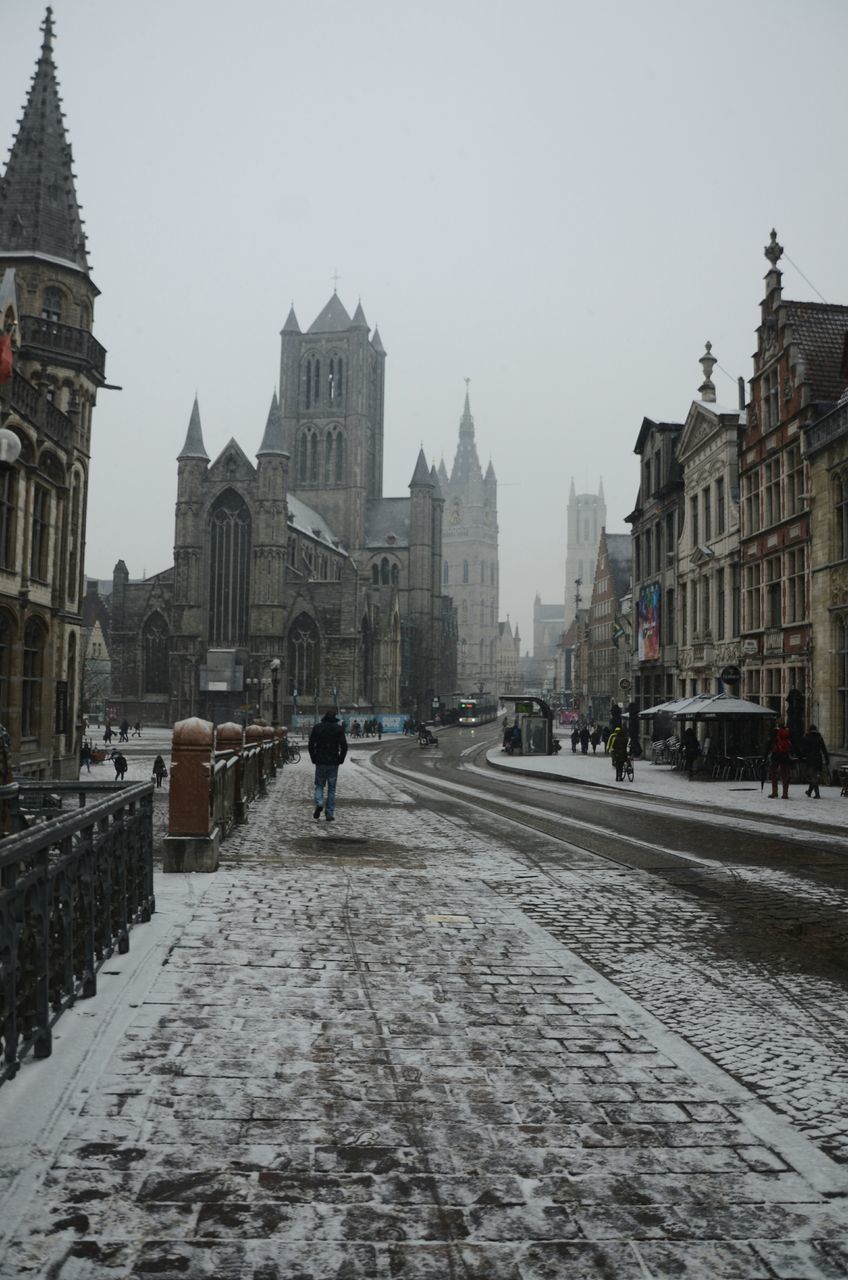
x=253, y=738
x=230, y=737
x=193, y=840
x=268, y=752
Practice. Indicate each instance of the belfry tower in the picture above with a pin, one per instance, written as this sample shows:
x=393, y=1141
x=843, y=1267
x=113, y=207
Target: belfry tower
x=587, y=516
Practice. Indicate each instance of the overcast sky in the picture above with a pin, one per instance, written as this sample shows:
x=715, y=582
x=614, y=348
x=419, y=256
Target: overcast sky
x=560, y=201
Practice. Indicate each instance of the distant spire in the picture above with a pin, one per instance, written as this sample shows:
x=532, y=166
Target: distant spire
x=466, y=420
x=193, y=447
x=377, y=342
x=291, y=325
x=466, y=464
x=39, y=213
x=707, y=363
x=572, y=492
x=438, y=496
x=272, y=441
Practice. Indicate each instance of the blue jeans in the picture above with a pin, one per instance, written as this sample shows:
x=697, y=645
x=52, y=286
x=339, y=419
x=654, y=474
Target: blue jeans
x=326, y=774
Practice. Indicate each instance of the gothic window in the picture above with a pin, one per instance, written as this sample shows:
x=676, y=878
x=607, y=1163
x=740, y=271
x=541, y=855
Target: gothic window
x=841, y=496
x=229, y=562
x=311, y=382
x=40, y=533
x=465, y=571
x=8, y=509
x=32, y=678
x=334, y=381
x=307, y=457
x=51, y=304
x=155, y=655
x=375, y=575
x=303, y=652
x=74, y=538
x=291, y=552
x=395, y=575
x=339, y=468
x=6, y=634
x=334, y=456
x=384, y=571
x=445, y=574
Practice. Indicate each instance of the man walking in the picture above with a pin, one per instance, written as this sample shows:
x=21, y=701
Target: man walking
x=816, y=759
x=327, y=750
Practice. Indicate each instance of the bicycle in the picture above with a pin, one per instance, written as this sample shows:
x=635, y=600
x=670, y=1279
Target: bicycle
x=291, y=753
x=628, y=770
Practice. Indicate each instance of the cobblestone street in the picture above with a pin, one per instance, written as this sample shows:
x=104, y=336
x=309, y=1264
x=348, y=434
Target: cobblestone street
x=377, y=1050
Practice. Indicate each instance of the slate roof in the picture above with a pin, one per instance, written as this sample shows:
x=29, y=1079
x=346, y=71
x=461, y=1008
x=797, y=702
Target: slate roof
x=421, y=475
x=820, y=329
x=194, y=446
x=385, y=517
x=291, y=325
x=272, y=441
x=305, y=520
x=39, y=213
x=332, y=319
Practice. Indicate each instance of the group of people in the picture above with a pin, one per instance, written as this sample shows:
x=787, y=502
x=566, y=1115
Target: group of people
x=368, y=729
x=812, y=751
x=584, y=736
x=123, y=731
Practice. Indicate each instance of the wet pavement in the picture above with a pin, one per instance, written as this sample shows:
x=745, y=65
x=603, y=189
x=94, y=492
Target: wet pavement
x=366, y=1050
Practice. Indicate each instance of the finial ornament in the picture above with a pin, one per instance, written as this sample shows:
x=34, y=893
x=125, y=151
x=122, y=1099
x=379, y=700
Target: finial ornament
x=707, y=362
x=336, y=279
x=47, y=28
x=773, y=250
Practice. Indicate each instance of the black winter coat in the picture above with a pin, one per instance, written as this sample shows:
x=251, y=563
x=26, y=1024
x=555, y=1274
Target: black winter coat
x=327, y=741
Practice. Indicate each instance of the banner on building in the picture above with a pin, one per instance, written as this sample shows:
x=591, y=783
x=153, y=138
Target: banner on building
x=648, y=620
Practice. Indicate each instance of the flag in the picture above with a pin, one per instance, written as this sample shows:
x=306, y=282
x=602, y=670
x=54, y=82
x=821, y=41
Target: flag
x=5, y=357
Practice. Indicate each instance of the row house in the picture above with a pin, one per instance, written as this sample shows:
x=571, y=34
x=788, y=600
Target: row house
x=607, y=640
x=798, y=375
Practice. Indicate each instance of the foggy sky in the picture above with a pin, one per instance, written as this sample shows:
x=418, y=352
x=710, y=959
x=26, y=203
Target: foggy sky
x=560, y=201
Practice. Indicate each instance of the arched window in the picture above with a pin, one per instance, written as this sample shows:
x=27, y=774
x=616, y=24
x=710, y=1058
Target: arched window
x=229, y=563
x=465, y=571
x=384, y=571
x=395, y=575
x=334, y=456
x=8, y=511
x=307, y=457
x=74, y=539
x=40, y=533
x=155, y=655
x=32, y=678
x=311, y=382
x=85, y=315
x=339, y=451
x=446, y=574
x=334, y=381
x=375, y=574
x=303, y=654
x=51, y=304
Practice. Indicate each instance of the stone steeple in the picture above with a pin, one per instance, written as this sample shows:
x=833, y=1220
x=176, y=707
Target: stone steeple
x=39, y=214
x=194, y=446
x=272, y=441
x=466, y=464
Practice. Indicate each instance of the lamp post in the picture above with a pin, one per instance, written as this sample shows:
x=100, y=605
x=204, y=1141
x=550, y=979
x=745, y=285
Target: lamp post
x=275, y=691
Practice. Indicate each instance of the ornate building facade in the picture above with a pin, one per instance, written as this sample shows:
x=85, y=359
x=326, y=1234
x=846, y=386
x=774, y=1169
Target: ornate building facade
x=470, y=564
x=47, y=310
x=296, y=585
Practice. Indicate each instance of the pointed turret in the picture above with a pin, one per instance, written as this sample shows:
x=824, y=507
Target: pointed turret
x=490, y=474
x=39, y=214
x=421, y=475
x=438, y=496
x=291, y=325
x=333, y=319
x=442, y=474
x=572, y=492
x=466, y=464
x=272, y=441
x=193, y=447
x=359, y=321
x=377, y=342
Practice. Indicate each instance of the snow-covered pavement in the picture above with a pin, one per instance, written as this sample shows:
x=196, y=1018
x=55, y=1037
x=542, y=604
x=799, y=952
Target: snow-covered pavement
x=347, y=1055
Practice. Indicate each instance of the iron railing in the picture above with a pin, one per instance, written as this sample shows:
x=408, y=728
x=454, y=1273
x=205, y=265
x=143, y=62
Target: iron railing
x=71, y=888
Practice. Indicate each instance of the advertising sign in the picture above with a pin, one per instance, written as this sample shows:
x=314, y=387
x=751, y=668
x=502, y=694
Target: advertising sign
x=648, y=622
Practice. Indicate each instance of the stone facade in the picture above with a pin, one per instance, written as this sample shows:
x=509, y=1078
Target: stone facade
x=470, y=566
x=47, y=302
x=296, y=585
x=509, y=657
x=586, y=516
x=608, y=631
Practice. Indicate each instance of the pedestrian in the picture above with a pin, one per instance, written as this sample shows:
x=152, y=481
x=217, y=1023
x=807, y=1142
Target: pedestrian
x=575, y=738
x=584, y=739
x=595, y=739
x=85, y=756
x=379, y=731
x=121, y=766
x=107, y=733
x=137, y=729
x=691, y=751
x=515, y=738
x=159, y=770
x=124, y=735
x=617, y=748
x=605, y=733
x=327, y=750
x=779, y=748
x=816, y=760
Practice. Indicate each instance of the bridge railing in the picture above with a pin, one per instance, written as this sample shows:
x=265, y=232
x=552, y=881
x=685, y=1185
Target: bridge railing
x=71, y=888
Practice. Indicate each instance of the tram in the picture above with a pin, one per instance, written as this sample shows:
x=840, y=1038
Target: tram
x=474, y=711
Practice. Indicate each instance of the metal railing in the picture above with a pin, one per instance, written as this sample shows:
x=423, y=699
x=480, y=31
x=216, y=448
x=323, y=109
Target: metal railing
x=71, y=888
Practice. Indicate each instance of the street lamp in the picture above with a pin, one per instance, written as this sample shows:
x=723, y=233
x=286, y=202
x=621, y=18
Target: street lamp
x=275, y=689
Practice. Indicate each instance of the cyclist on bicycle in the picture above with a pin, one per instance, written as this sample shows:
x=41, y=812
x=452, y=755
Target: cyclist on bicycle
x=617, y=748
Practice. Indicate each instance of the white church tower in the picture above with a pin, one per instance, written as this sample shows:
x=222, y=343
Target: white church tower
x=587, y=516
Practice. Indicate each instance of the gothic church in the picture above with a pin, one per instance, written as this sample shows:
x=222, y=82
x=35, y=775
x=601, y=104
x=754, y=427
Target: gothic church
x=296, y=584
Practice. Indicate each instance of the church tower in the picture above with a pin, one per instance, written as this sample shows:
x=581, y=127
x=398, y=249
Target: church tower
x=470, y=562
x=58, y=369
x=331, y=405
x=586, y=517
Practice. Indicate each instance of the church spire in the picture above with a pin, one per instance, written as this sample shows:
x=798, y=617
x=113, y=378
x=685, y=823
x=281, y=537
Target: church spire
x=39, y=214
x=466, y=464
x=193, y=447
x=272, y=441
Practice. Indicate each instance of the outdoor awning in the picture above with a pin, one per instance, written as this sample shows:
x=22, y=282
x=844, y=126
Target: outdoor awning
x=719, y=706
x=668, y=708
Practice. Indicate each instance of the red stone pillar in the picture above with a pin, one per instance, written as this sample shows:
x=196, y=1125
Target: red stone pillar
x=230, y=737
x=193, y=840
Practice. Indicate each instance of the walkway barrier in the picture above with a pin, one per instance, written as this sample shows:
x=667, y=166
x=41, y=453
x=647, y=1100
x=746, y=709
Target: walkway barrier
x=216, y=775
x=71, y=888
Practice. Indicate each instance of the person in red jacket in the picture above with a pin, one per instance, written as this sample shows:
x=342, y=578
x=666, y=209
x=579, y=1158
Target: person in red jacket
x=780, y=748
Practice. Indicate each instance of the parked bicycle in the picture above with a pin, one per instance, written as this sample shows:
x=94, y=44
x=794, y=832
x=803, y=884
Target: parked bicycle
x=291, y=753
